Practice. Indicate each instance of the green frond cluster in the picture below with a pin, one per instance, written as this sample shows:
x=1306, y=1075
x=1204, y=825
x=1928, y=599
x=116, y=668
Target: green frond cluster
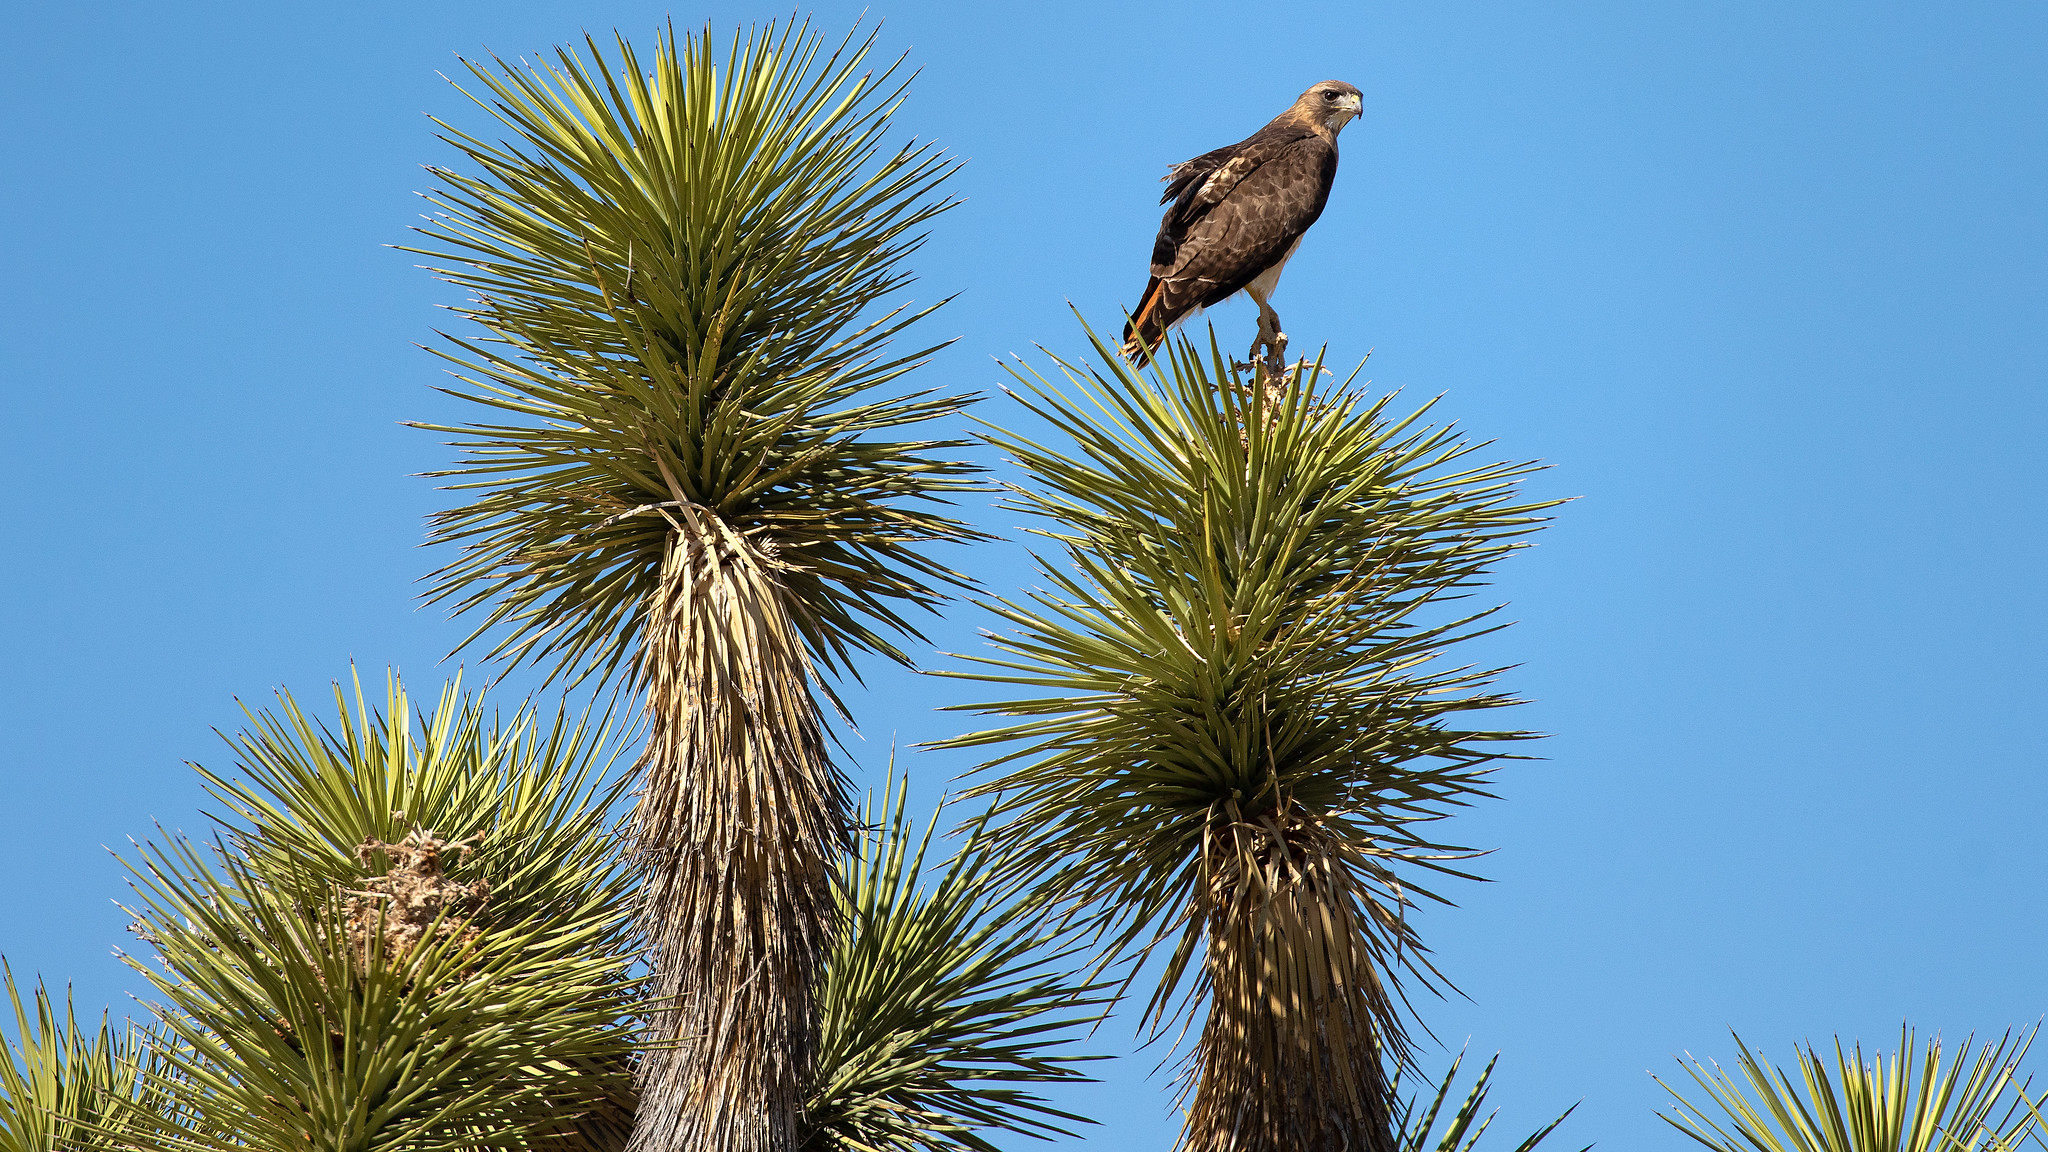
x=532, y=796
x=1415, y=1123
x=1238, y=723
x=684, y=273
x=937, y=998
x=65, y=1086
x=1239, y=638
x=414, y=935
x=1904, y=1101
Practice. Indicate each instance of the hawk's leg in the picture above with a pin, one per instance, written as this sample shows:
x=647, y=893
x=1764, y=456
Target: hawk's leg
x=1272, y=339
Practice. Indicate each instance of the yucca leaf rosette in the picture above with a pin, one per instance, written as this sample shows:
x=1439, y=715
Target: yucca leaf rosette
x=66, y=1084
x=1239, y=718
x=1915, y=1098
x=944, y=1001
x=413, y=932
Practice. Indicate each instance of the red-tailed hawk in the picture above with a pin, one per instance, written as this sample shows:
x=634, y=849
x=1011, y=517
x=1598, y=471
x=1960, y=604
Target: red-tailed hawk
x=1237, y=214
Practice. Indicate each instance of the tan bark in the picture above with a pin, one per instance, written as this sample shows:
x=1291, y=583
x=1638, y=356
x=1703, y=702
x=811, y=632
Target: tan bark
x=741, y=819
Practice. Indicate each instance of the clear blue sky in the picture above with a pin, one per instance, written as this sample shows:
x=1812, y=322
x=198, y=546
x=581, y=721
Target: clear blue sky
x=1766, y=284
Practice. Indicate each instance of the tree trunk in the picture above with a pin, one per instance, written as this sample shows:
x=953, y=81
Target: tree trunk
x=741, y=820
x=1290, y=1057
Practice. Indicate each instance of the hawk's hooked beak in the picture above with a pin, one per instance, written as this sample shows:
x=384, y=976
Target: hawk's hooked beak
x=1343, y=112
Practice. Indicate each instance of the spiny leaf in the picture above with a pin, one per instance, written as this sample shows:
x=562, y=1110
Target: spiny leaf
x=1239, y=722
x=937, y=999
x=64, y=1085
x=1415, y=1122
x=1906, y=1100
x=682, y=273
x=297, y=1015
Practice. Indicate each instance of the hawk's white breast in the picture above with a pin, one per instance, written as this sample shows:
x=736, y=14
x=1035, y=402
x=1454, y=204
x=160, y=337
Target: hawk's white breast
x=1266, y=283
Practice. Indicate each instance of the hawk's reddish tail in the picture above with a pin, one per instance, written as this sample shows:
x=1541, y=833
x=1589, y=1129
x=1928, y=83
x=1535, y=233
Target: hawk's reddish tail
x=1147, y=326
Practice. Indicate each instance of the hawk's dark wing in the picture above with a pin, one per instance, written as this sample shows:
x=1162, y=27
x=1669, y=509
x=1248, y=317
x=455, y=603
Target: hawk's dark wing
x=1235, y=213
x=1197, y=186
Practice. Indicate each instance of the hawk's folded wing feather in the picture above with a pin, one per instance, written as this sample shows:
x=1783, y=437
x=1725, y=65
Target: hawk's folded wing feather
x=1197, y=186
x=1238, y=212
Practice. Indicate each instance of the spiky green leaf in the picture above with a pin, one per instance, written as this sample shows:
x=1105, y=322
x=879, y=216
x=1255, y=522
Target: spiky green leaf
x=1907, y=1100
x=301, y=1013
x=1238, y=722
x=64, y=1085
x=687, y=272
x=1415, y=1122
x=940, y=997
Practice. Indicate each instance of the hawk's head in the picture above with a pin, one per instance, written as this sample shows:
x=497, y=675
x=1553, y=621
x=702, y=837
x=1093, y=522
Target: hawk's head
x=1331, y=104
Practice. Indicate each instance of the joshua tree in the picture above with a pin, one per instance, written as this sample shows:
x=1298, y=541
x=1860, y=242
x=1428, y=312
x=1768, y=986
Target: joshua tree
x=1238, y=725
x=413, y=932
x=420, y=931
x=1416, y=1126
x=64, y=1086
x=1902, y=1101
x=680, y=268
x=938, y=998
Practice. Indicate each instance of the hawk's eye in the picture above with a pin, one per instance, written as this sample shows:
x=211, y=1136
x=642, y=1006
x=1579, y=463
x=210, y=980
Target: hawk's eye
x=1329, y=93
